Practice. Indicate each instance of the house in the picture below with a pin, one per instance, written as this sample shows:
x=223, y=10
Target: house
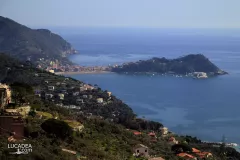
x=5, y=95
x=100, y=100
x=152, y=134
x=51, y=71
x=51, y=88
x=75, y=93
x=79, y=101
x=85, y=96
x=204, y=154
x=83, y=89
x=89, y=88
x=48, y=96
x=137, y=133
x=186, y=156
x=141, y=150
x=164, y=131
x=194, y=150
x=61, y=96
x=12, y=123
x=109, y=94
x=172, y=141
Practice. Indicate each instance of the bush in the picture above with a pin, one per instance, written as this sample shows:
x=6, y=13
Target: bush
x=59, y=128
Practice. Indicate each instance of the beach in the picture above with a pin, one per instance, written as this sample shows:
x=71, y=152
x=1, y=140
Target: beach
x=82, y=72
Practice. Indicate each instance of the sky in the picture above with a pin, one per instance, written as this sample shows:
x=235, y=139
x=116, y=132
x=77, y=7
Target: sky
x=124, y=13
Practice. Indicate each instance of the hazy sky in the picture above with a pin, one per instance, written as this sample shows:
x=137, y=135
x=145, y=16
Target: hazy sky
x=134, y=13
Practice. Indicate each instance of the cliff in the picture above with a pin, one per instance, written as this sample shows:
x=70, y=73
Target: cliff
x=24, y=43
x=182, y=65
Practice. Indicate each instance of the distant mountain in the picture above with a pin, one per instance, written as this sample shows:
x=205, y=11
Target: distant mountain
x=187, y=64
x=25, y=43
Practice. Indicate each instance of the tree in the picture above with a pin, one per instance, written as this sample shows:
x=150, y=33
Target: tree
x=59, y=128
x=21, y=92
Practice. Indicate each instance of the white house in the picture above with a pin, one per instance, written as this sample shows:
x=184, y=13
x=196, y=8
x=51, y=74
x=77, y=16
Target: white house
x=164, y=130
x=51, y=88
x=85, y=96
x=61, y=96
x=100, y=100
x=79, y=101
x=48, y=96
x=141, y=150
x=75, y=93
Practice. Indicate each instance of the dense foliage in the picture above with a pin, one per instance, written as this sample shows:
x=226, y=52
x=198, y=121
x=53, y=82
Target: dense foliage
x=23, y=42
x=187, y=64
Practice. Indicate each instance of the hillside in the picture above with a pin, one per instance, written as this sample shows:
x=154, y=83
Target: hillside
x=22, y=42
x=109, y=127
x=183, y=65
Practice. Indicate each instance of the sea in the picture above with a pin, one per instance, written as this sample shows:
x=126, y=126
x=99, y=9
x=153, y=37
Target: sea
x=205, y=108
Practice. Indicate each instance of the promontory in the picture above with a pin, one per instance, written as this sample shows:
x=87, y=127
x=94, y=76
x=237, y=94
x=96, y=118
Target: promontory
x=196, y=65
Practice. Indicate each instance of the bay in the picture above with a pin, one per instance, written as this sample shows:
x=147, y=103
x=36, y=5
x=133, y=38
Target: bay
x=207, y=108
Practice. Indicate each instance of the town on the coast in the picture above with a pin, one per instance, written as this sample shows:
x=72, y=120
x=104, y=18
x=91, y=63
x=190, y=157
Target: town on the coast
x=46, y=115
x=78, y=98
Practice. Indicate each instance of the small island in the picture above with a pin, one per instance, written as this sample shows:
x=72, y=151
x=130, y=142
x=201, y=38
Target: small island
x=195, y=65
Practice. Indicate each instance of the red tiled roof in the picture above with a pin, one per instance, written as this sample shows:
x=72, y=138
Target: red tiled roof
x=194, y=150
x=171, y=139
x=185, y=155
x=151, y=134
x=137, y=133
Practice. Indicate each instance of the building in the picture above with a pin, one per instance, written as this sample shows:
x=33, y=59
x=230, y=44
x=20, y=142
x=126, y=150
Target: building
x=100, y=100
x=61, y=96
x=164, y=131
x=200, y=75
x=204, y=154
x=48, y=96
x=137, y=133
x=83, y=89
x=12, y=124
x=152, y=134
x=51, y=88
x=109, y=94
x=75, y=93
x=51, y=71
x=5, y=95
x=172, y=141
x=141, y=150
x=79, y=101
x=186, y=156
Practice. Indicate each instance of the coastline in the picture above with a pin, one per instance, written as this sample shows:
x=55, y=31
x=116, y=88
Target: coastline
x=83, y=72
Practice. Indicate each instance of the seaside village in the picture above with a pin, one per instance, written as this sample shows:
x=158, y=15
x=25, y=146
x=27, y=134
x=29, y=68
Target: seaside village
x=12, y=118
x=55, y=67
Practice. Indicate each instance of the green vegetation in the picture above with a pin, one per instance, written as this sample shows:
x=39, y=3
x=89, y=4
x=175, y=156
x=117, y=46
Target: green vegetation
x=57, y=127
x=105, y=135
x=187, y=64
x=22, y=42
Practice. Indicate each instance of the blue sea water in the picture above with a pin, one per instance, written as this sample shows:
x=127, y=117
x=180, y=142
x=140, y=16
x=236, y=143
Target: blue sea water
x=208, y=108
